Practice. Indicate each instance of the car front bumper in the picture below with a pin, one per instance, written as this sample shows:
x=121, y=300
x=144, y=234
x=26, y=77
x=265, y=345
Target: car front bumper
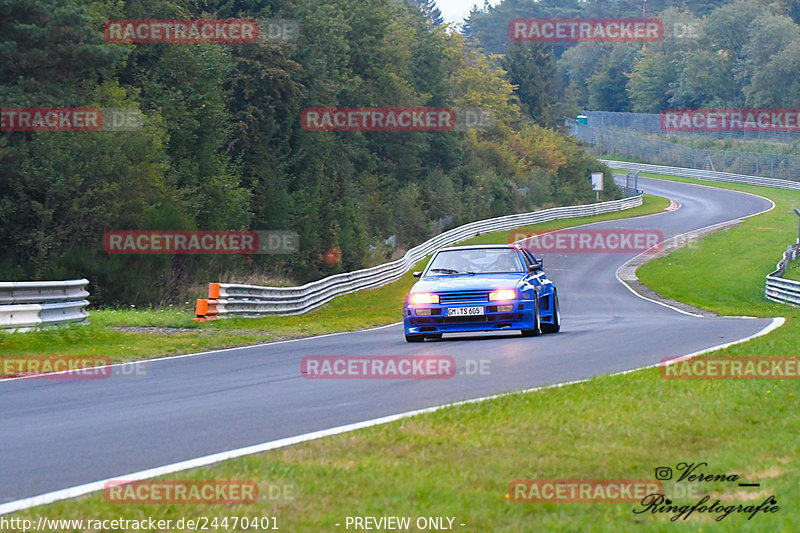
x=521, y=316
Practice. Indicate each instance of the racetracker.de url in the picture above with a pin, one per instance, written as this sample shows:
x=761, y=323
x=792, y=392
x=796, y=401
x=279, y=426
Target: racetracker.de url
x=199, y=523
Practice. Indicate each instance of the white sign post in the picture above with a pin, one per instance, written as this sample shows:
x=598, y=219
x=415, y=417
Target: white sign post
x=798, y=231
x=597, y=183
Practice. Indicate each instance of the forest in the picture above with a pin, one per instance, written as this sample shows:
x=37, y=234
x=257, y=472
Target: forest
x=714, y=54
x=220, y=144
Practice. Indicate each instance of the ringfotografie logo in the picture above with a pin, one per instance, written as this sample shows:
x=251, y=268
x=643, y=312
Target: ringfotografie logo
x=694, y=474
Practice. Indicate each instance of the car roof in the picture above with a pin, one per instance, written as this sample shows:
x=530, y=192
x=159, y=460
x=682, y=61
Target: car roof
x=481, y=247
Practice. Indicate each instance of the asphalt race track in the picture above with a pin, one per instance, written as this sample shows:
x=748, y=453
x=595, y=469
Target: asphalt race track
x=58, y=433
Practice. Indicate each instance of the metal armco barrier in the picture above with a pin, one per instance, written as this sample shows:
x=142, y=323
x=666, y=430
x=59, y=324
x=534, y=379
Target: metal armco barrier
x=777, y=289
x=29, y=304
x=784, y=290
x=250, y=300
x=709, y=175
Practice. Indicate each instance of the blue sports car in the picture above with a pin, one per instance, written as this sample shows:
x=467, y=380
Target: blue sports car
x=481, y=288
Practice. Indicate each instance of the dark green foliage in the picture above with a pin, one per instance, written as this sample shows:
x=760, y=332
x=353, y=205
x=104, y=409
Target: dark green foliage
x=222, y=148
x=531, y=68
x=721, y=53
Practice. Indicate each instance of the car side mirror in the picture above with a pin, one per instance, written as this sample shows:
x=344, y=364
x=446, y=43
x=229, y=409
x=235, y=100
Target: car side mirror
x=535, y=268
x=416, y=274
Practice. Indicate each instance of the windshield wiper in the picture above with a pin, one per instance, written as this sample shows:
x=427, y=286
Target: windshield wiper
x=445, y=270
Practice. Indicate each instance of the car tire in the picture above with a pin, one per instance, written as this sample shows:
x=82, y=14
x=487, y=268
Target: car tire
x=434, y=336
x=555, y=327
x=415, y=338
x=536, y=323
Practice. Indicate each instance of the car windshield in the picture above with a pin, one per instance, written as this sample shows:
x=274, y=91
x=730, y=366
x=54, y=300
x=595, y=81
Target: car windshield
x=475, y=261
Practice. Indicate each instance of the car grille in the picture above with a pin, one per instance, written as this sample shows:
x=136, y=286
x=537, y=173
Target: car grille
x=463, y=297
x=474, y=319
x=461, y=319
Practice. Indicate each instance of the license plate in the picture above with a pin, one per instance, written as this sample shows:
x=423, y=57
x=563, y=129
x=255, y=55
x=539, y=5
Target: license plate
x=464, y=311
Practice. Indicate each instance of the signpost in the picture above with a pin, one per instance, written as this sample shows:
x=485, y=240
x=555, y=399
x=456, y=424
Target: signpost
x=798, y=229
x=597, y=183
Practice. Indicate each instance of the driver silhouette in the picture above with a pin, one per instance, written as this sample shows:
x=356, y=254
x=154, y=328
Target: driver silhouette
x=505, y=263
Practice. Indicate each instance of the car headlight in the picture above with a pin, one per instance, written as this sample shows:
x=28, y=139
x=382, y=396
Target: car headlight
x=503, y=294
x=421, y=298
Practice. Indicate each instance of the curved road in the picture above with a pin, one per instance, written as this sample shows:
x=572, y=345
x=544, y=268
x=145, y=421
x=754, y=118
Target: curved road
x=58, y=433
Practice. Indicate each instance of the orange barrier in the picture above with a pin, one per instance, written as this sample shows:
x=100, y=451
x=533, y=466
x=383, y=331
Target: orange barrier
x=207, y=309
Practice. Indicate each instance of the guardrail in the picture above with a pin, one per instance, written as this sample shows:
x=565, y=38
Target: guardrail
x=30, y=304
x=631, y=187
x=784, y=290
x=709, y=175
x=250, y=300
x=658, y=152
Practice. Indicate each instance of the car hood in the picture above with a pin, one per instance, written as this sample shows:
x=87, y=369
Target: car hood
x=467, y=282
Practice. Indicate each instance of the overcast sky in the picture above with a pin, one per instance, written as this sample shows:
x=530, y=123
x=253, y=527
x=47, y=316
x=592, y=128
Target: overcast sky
x=457, y=10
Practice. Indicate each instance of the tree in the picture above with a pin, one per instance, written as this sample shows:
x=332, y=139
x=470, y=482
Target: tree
x=704, y=81
x=769, y=34
x=531, y=69
x=776, y=83
x=431, y=11
x=649, y=86
x=606, y=85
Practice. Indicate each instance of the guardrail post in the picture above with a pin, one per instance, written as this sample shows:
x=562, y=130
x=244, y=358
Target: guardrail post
x=798, y=227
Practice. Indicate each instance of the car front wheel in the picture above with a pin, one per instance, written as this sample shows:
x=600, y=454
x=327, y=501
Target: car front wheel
x=415, y=338
x=536, y=326
x=556, y=325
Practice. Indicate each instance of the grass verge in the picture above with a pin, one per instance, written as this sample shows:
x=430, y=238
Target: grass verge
x=793, y=271
x=126, y=335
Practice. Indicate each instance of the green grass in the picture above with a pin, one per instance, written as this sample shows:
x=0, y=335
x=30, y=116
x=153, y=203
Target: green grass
x=349, y=312
x=460, y=460
x=793, y=271
x=725, y=272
